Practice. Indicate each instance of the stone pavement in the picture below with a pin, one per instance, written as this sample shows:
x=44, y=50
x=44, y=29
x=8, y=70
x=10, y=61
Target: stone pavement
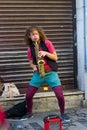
x=78, y=121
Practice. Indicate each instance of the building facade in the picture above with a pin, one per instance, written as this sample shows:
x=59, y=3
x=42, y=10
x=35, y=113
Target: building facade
x=57, y=18
x=81, y=7
x=65, y=23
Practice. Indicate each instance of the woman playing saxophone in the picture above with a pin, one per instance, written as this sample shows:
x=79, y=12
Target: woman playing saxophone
x=42, y=56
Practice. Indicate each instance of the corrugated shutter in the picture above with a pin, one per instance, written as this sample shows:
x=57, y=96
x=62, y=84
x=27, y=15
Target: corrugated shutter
x=55, y=16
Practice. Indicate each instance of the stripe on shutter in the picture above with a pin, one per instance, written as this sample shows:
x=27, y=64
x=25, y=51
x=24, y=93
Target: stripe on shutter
x=55, y=16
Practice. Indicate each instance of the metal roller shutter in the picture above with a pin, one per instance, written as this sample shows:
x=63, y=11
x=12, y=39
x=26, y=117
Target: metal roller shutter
x=56, y=17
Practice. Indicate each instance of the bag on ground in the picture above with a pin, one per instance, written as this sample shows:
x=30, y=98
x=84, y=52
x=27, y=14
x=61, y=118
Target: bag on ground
x=17, y=110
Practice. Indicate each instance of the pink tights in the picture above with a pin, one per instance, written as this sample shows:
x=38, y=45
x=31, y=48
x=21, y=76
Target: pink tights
x=29, y=97
x=57, y=90
x=60, y=97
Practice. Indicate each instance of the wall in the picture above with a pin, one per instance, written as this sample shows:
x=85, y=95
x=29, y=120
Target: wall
x=82, y=73
x=85, y=48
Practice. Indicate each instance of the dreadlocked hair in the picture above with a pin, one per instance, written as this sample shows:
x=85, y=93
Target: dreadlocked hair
x=31, y=29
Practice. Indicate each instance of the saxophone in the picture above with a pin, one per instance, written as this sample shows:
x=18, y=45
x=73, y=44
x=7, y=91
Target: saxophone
x=40, y=61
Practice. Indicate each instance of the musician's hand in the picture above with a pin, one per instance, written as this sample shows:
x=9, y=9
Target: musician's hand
x=42, y=53
x=34, y=68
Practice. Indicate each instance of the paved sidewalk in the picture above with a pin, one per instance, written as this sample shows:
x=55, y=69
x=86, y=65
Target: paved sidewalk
x=78, y=121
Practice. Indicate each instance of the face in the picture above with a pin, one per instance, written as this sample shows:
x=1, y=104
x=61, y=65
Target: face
x=34, y=35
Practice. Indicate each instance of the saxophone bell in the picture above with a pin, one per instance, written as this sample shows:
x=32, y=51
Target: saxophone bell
x=41, y=68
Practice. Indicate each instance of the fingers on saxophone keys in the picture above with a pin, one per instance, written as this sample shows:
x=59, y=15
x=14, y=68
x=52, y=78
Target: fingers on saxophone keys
x=39, y=54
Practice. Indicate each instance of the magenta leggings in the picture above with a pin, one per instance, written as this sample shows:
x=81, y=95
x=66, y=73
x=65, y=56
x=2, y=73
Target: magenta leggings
x=57, y=90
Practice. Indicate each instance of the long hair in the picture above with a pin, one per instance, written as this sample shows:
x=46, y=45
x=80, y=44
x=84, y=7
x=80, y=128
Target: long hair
x=31, y=29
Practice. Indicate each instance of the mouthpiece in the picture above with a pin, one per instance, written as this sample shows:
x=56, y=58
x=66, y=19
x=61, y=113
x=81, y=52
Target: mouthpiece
x=35, y=39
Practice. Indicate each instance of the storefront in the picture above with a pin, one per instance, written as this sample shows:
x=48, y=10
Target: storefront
x=57, y=18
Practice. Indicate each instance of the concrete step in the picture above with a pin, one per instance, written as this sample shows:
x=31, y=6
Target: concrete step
x=47, y=101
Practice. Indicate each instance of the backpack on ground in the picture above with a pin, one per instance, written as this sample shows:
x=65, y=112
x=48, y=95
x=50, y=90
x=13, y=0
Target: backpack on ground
x=17, y=111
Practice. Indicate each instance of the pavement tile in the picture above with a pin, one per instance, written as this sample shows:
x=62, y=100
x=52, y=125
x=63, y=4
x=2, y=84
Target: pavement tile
x=78, y=121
